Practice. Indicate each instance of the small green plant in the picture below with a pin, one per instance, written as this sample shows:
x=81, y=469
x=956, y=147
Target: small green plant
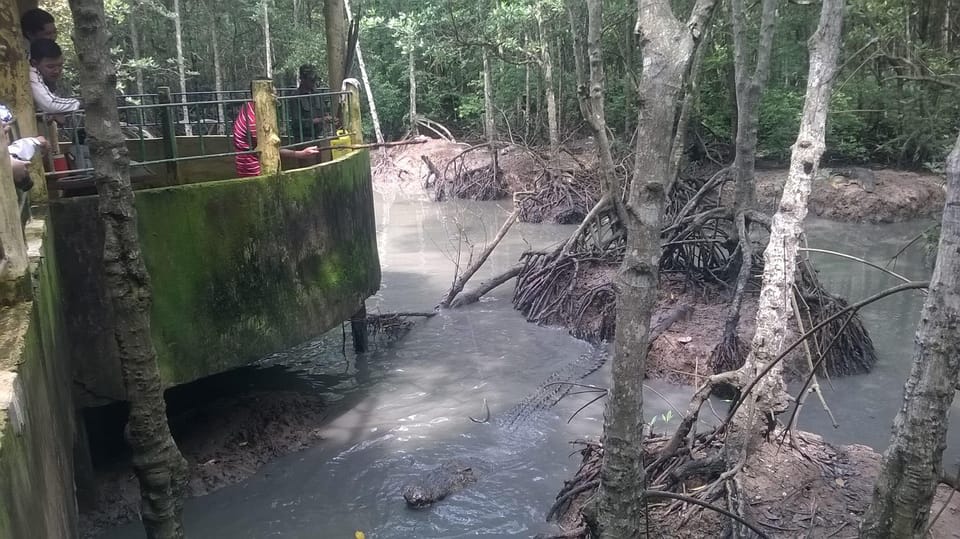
x=664, y=418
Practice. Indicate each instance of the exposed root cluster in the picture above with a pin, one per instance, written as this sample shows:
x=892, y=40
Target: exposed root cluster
x=559, y=196
x=468, y=177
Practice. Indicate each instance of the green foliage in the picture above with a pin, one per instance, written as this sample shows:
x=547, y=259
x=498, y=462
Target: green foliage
x=888, y=105
x=779, y=121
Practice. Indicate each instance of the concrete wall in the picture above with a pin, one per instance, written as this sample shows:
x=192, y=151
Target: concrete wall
x=241, y=268
x=36, y=414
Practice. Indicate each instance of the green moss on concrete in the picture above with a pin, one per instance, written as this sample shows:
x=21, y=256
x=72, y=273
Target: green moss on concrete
x=36, y=439
x=244, y=268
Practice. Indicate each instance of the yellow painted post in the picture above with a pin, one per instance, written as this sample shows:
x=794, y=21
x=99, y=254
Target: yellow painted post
x=353, y=109
x=15, y=82
x=268, y=136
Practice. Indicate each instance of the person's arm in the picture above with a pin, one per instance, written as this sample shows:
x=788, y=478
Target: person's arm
x=46, y=101
x=299, y=154
x=20, y=171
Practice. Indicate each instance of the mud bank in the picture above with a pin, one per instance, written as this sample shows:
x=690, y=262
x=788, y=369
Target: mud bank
x=224, y=441
x=898, y=196
x=813, y=489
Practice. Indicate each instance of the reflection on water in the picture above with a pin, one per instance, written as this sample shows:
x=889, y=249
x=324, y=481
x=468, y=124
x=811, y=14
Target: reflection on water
x=400, y=410
x=865, y=405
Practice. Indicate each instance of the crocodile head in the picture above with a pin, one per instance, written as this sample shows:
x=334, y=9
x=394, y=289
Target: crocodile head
x=417, y=496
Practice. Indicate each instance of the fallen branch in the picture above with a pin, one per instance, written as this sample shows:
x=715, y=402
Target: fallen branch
x=461, y=280
x=467, y=298
x=432, y=171
x=383, y=144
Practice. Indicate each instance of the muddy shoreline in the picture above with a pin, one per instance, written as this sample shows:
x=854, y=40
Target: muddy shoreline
x=224, y=442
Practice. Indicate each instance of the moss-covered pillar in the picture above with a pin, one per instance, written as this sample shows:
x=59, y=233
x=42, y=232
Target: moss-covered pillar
x=15, y=80
x=268, y=136
x=13, y=248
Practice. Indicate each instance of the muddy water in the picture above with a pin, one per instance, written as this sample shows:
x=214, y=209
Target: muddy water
x=399, y=410
x=864, y=406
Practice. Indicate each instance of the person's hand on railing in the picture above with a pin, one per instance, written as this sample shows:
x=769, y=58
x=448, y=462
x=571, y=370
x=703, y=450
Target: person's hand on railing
x=55, y=118
x=307, y=152
x=44, y=144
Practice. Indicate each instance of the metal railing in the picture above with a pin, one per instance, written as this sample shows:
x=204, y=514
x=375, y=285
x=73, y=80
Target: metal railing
x=157, y=134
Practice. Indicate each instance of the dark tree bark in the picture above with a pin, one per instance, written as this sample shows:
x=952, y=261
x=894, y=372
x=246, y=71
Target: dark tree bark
x=668, y=47
x=749, y=88
x=160, y=468
x=912, y=464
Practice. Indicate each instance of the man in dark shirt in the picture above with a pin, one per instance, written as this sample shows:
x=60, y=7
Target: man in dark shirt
x=307, y=115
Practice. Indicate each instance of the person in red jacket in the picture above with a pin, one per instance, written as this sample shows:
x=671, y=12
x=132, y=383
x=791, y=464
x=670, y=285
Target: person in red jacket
x=245, y=140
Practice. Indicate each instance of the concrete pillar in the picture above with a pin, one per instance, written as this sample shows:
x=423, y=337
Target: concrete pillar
x=358, y=328
x=13, y=247
x=268, y=135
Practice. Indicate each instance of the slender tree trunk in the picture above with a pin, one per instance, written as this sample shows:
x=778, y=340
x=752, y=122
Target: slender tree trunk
x=553, y=129
x=412, y=72
x=489, y=124
x=160, y=469
x=749, y=89
x=135, y=45
x=334, y=15
x=267, y=48
x=526, y=94
x=374, y=117
x=769, y=397
x=218, y=76
x=668, y=48
x=181, y=67
x=912, y=464
x=747, y=92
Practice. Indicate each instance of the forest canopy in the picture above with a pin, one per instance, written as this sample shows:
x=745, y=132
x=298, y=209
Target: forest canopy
x=897, y=98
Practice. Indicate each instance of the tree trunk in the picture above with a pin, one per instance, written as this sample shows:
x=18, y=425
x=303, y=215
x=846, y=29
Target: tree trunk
x=912, y=464
x=267, y=49
x=334, y=18
x=526, y=95
x=159, y=466
x=218, y=77
x=489, y=124
x=135, y=45
x=668, y=48
x=181, y=68
x=374, y=117
x=412, y=72
x=769, y=396
x=553, y=129
x=749, y=89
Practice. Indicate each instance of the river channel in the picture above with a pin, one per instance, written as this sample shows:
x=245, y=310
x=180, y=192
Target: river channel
x=401, y=409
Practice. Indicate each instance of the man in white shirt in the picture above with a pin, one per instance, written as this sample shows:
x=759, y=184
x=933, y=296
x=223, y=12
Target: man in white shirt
x=46, y=67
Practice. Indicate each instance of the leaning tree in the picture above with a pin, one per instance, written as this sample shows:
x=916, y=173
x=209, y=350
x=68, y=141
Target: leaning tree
x=913, y=463
x=160, y=468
